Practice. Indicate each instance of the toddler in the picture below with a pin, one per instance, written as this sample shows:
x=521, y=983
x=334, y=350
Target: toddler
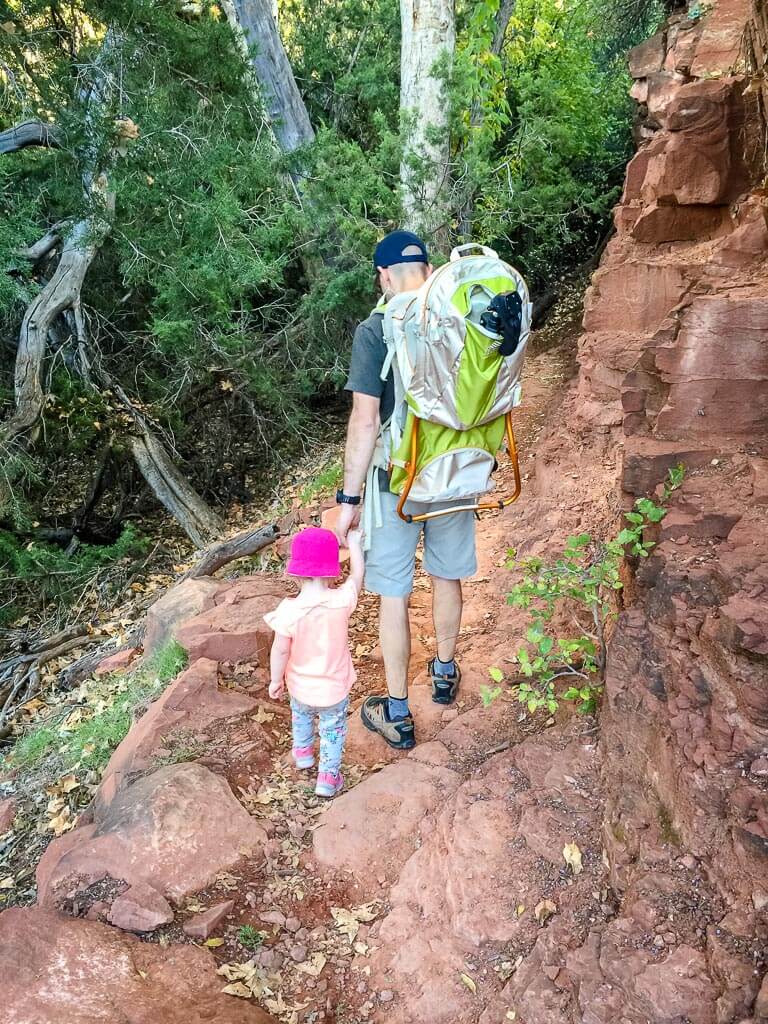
x=310, y=650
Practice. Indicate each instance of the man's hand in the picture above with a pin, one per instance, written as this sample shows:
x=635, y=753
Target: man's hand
x=349, y=517
x=277, y=689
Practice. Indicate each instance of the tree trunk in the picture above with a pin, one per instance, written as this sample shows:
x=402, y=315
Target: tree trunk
x=254, y=22
x=428, y=32
x=171, y=488
x=60, y=293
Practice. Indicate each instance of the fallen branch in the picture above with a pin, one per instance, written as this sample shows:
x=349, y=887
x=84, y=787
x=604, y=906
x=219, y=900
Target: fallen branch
x=29, y=133
x=240, y=546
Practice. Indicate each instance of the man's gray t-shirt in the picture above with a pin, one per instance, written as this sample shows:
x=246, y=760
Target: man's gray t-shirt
x=368, y=354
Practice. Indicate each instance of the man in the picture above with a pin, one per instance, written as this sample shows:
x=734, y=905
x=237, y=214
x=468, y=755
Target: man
x=402, y=264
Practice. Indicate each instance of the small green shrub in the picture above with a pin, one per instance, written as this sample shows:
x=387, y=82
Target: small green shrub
x=249, y=937
x=34, y=746
x=91, y=741
x=585, y=574
x=328, y=479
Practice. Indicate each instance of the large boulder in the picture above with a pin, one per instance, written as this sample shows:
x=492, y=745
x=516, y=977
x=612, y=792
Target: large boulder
x=59, y=971
x=234, y=628
x=179, y=604
x=174, y=830
x=190, y=703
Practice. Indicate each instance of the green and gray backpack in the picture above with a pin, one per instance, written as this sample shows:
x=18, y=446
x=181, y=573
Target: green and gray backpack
x=456, y=347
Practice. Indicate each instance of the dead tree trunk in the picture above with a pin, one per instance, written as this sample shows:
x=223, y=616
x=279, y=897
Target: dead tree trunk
x=174, y=491
x=59, y=294
x=428, y=33
x=254, y=22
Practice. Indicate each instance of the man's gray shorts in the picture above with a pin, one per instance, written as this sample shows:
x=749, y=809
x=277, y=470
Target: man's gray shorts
x=449, y=547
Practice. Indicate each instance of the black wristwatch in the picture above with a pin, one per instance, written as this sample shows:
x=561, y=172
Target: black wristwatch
x=347, y=499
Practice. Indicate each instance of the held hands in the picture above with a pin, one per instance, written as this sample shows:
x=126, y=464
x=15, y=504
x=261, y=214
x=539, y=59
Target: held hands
x=277, y=689
x=349, y=517
x=355, y=538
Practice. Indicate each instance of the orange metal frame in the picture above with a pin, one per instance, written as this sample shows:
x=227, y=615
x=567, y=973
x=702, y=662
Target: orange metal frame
x=478, y=506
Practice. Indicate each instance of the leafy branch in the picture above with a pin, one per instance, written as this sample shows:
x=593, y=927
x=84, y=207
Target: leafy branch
x=586, y=574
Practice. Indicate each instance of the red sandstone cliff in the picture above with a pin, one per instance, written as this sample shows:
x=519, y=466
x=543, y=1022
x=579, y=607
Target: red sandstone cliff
x=674, y=362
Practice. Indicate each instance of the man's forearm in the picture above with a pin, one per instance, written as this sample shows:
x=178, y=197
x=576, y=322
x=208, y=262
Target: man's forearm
x=361, y=440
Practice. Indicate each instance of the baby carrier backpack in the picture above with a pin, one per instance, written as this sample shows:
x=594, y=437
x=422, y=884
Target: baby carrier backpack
x=456, y=347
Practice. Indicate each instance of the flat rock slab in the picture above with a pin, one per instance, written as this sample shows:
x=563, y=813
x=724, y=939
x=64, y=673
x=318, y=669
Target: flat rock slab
x=234, y=629
x=204, y=924
x=178, y=605
x=59, y=971
x=175, y=830
x=374, y=829
x=190, y=703
x=140, y=909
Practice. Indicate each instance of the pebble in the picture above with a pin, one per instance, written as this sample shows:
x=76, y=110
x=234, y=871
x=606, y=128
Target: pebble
x=293, y=924
x=670, y=937
x=658, y=941
x=386, y=996
x=688, y=862
x=299, y=954
x=273, y=917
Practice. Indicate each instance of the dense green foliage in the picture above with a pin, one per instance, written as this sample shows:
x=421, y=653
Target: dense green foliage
x=224, y=296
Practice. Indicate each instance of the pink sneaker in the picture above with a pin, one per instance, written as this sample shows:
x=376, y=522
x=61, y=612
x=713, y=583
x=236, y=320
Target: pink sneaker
x=329, y=785
x=304, y=757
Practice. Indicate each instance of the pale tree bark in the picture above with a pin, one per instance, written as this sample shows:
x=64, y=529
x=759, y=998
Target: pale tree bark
x=254, y=23
x=428, y=33
x=60, y=296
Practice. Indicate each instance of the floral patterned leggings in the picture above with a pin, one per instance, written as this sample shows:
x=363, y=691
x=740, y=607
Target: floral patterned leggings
x=333, y=731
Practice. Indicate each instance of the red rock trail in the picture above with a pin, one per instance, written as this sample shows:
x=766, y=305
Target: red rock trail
x=436, y=889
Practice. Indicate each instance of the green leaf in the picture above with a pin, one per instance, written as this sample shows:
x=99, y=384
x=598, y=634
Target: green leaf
x=545, y=644
x=496, y=674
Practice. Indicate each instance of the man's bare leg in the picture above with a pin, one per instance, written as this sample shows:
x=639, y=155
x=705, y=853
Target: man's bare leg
x=395, y=639
x=447, y=606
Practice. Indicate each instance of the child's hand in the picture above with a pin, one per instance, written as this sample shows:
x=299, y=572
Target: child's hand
x=276, y=690
x=355, y=538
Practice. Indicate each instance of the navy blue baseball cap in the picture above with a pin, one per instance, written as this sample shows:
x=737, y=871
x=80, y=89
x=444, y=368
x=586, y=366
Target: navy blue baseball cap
x=390, y=249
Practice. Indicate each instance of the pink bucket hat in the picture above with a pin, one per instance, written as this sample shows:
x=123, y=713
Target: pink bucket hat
x=314, y=552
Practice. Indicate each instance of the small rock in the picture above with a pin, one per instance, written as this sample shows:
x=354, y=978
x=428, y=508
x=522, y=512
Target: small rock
x=303, y=934
x=386, y=996
x=115, y=662
x=270, y=958
x=202, y=925
x=293, y=924
x=298, y=954
x=140, y=909
x=450, y=714
x=758, y=767
x=688, y=862
x=658, y=941
x=7, y=814
x=670, y=938
x=273, y=917
x=98, y=911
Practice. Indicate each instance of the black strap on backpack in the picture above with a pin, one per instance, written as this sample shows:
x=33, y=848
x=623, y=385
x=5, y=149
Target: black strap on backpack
x=504, y=317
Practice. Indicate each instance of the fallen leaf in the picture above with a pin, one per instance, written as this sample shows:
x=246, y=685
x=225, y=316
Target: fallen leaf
x=314, y=965
x=237, y=989
x=544, y=910
x=194, y=907
x=572, y=856
x=214, y=943
x=68, y=783
x=262, y=716
x=469, y=982
x=520, y=909
x=7, y=883
x=10, y=28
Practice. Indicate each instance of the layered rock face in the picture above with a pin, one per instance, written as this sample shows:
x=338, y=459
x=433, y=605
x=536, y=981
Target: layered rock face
x=674, y=363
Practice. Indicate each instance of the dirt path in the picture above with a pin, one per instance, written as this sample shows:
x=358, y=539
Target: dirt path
x=367, y=850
